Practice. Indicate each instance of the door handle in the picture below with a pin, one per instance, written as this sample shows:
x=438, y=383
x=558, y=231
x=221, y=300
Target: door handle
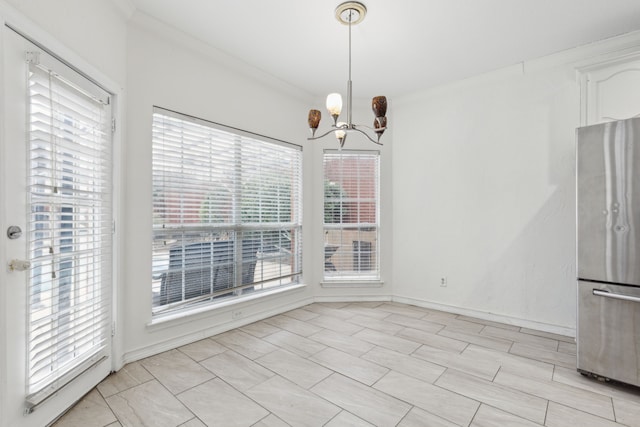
x=18, y=265
x=608, y=294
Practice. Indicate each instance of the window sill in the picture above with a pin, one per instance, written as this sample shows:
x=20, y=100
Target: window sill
x=352, y=284
x=176, y=318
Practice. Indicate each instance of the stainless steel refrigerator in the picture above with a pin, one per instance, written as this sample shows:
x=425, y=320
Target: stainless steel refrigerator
x=608, y=250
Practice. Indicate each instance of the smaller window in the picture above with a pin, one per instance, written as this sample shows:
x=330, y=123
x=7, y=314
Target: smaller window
x=351, y=215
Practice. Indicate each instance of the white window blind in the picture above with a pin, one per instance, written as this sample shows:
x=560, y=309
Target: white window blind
x=70, y=231
x=227, y=214
x=351, y=215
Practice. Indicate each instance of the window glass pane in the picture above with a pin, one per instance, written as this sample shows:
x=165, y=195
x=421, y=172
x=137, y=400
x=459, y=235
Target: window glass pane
x=351, y=207
x=226, y=212
x=70, y=231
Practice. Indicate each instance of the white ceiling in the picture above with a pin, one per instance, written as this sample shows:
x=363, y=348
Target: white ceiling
x=401, y=46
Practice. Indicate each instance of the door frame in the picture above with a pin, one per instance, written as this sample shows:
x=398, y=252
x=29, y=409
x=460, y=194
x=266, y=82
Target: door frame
x=52, y=408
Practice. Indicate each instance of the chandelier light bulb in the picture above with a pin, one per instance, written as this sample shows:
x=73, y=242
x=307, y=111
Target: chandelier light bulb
x=341, y=134
x=334, y=104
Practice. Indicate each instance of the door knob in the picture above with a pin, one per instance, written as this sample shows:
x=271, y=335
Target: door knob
x=14, y=232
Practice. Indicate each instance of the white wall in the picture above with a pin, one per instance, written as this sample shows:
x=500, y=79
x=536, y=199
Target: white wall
x=95, y=30
x=483, y=193
x=167, y=69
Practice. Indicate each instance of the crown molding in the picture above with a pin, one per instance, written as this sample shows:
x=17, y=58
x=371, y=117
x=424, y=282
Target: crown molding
x=590, y=54
x=577, y=58
x=168, y=33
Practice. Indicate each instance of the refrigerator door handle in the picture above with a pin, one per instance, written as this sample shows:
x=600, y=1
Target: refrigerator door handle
x=608, y=294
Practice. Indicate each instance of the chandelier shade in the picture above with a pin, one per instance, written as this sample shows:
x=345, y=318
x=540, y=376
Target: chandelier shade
x=314, y=120
x=334, y=104
x=350, y=13
x=379, y=106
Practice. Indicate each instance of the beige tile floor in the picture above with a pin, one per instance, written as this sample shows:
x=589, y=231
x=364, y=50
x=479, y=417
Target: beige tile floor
x=361, y=364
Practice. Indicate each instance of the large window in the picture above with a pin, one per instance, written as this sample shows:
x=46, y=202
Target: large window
x=227, y=216
x=351, y=215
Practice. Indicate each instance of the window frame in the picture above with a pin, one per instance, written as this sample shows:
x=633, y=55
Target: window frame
x=239, y=227
x=352, y=276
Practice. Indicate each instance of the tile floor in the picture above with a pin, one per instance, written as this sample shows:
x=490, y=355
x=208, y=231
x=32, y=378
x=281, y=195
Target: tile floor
x=361, y=364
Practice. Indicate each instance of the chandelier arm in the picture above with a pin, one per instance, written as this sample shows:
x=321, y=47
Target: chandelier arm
x=367, y=135
x=347, y=129
x=370, y=128
x=323, y=135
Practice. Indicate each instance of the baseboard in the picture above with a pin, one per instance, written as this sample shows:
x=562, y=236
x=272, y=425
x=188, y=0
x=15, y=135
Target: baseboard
x=173, y=343
x=354, y=298
x=508, y=320
x=141, y=353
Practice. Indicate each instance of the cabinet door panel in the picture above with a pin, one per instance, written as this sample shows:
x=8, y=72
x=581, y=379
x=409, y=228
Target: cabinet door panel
x=611, y=92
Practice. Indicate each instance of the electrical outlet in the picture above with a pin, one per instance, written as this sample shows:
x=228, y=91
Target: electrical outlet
x=236, y=314
x=443, y=282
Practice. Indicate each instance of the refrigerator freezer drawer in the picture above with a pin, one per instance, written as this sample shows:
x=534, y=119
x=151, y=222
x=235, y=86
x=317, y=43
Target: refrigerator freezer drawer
x=609, y=331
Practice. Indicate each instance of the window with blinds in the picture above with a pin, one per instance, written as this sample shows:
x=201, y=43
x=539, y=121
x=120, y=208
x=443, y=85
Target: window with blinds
x=227, y=212
x=351, y=215
x=70, y=230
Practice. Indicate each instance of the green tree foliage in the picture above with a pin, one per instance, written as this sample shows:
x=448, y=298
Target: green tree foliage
x=266, y=201
x=335, y=207
x=217, y=207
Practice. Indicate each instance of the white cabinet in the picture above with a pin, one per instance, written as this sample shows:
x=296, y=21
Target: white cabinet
x=610, y=91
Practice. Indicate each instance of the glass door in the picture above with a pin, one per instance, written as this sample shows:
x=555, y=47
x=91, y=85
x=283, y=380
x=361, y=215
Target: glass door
x=57, y=190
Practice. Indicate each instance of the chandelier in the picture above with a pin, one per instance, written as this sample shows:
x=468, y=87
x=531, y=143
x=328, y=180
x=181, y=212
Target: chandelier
x=350, y=13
